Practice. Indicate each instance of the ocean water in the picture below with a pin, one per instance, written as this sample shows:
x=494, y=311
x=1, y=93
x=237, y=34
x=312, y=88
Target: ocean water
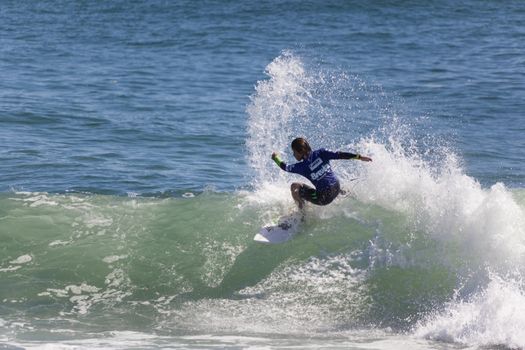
x=135, y=170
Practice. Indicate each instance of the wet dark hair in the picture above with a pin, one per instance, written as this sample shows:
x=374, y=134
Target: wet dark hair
x=301, y=145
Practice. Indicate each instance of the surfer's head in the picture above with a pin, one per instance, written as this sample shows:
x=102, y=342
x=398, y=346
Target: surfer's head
x=300, y=148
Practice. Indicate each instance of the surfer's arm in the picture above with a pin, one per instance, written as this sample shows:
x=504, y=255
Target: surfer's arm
x=348, y=155
x=344, y=155
x=278, y=161
x=329, y=155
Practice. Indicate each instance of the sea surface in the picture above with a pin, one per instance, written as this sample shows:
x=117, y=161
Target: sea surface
x=135, y=170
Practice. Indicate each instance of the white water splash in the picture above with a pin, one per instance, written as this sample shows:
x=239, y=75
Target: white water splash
x=276, y=101
x=448, y=205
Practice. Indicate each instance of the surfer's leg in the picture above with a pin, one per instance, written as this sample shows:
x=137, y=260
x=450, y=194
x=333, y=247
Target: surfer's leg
x=296, y=194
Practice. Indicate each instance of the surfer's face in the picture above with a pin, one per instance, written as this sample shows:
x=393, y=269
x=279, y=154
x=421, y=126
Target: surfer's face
x=298, y=154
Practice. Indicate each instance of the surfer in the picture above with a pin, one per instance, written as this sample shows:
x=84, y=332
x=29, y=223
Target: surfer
x=315, y=166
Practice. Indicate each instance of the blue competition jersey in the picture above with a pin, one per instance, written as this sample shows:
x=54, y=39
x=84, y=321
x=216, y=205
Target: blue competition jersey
x=317, y=169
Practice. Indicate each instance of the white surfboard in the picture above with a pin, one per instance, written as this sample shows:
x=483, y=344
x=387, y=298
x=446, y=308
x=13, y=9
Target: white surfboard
x=285, y=229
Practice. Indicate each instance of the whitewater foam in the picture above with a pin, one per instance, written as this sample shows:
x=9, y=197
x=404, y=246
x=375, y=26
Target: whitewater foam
x=491, y=317
x=446, y=204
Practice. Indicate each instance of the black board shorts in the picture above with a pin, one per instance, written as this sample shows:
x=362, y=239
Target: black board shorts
x=319, y=197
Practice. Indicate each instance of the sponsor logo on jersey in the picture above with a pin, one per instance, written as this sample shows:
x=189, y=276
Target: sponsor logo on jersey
x=316, y=163
x=321, y=172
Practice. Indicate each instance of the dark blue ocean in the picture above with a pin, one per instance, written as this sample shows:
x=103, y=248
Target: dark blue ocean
x=135, y=169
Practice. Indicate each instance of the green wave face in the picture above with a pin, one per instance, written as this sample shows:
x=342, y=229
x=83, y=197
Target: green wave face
x=179, y=264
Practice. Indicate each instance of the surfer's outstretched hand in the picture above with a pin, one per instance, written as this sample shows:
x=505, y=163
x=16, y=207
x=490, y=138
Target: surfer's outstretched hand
x=365, y=159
